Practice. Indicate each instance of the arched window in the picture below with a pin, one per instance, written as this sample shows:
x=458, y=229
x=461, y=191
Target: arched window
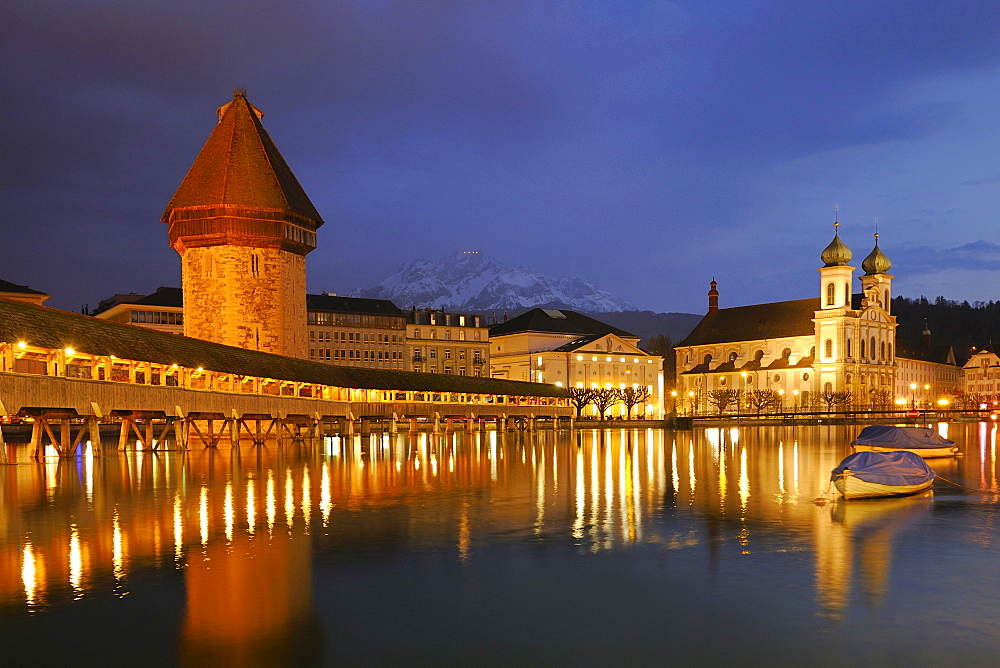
x=863, y=348
x=830, y=297
x=847, y=294
x=732, y=357
x=812, y=351
x=786, y=353
x=888, y=349
x=848, y=347
x=871, y=347
x=881, y=348
x=829, y=348
x=887, y=299
x=758, y=356
x=828, y=387
x=707, y=360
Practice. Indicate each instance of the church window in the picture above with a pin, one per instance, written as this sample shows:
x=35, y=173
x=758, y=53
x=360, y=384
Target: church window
x=848, y=347
x=847, y=293
x=777, y=378
x=805, y=376
x=812, y=351
x=871, y=347
x=759, y=355
x=849, y=378
x=863, y=348
x=829, y=349
x=888, y=349
x=786, y=353
x=830, y=297
x=723, y=380
x=732, y=357
x=828, y=387
x=707, y=360
x=881, y=347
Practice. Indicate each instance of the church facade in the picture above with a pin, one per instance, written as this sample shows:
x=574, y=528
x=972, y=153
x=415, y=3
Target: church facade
x=804, y=350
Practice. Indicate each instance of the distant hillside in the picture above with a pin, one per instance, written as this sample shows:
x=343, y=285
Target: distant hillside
x=959, y=324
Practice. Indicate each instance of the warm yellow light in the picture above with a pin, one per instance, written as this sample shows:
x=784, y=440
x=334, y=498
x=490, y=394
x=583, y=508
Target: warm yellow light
x=22, y=345
x=579, y=358
x=607, y=359
x=943, y=402
x=200, y=369
x=927, y=387
x=673, y=393
x=691, y=394
x=781, y=392
x=913, y=386
x=795, y=392
x=900, y=401
x=559, y=383
x=69, y=351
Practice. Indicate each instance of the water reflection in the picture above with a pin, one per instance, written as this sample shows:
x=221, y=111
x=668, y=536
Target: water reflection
x=243, y=528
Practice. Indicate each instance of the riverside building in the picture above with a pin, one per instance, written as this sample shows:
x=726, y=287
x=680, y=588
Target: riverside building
x=449, y=343
x=804, y=350
x=571, y=350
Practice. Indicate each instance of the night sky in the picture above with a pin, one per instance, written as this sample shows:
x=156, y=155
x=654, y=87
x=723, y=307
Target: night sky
x=643, y=146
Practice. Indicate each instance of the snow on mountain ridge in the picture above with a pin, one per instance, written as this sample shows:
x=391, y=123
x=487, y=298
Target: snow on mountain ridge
x=477, y=282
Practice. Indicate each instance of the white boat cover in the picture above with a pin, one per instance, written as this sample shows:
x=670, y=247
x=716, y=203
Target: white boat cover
x=886, y=468
x=901, y=437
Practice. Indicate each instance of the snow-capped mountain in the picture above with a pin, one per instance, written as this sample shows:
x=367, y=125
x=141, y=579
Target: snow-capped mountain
x=467, y=281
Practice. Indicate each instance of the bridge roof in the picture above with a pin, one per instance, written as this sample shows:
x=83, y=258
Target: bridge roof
x=45, y=327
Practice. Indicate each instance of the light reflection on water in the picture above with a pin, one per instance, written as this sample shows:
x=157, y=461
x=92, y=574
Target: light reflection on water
x=593, y=546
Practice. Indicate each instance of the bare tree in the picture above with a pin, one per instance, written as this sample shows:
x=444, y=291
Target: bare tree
x=605, y=398
x=633, y=396
x=722, y=398
x=835, y=398
x=880, y=397
x=580, y=397
x=761, y=400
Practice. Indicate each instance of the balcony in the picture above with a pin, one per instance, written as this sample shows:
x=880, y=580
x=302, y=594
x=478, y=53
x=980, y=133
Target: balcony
x=478, y=361
x=419, y=358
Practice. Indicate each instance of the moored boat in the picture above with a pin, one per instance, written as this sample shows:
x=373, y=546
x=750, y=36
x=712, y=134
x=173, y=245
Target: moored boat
x=918, y=440
x=873, y=474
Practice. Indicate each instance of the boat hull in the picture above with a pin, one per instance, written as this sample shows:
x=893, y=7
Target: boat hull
x=853, y=487
x=926, y=453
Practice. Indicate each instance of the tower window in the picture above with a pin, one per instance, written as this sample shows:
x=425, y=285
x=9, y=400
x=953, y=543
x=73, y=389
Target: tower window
x=830, y=296
x=829, y=348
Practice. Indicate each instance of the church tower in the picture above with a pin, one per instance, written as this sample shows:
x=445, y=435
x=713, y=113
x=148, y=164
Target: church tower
x=243, y=225
x=877, y=282
x=835, y=274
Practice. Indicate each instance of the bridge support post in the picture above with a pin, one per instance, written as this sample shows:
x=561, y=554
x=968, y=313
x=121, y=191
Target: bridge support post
x=392, y=423
x=123, y=432
x=437, y=423
x=36, y=437
x=94, y=431
x=413, y=425
x=3, y=449
x=470, y=421
x=366, y=426
x=66, y=445
x=234, y=433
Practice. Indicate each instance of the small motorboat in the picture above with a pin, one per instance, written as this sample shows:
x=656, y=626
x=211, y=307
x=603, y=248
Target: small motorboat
x=872, y=474
x=918, y=440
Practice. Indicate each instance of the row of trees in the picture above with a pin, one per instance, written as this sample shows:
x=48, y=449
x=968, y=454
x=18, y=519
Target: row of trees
x=604, y=398
x=762, y=401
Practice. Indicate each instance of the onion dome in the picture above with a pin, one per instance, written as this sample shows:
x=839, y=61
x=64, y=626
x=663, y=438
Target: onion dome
x=876, y=262
x=837, y=254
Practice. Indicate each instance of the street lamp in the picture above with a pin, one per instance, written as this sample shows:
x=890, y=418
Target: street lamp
x=781, y=401
x=913, y=396
x=673, y=401
x=691, y=401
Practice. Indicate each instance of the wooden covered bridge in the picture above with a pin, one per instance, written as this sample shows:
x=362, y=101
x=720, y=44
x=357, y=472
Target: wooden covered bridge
x=72, y=373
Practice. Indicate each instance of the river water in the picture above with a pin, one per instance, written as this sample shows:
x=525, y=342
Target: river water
x=591, y=547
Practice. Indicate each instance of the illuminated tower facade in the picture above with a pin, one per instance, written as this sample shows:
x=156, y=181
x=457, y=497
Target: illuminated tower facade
x=243, y=225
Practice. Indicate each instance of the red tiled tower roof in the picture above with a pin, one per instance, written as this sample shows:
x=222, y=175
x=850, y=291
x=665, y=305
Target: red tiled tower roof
x=240, y=190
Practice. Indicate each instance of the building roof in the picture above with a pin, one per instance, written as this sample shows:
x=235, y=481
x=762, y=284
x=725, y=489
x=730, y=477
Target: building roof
x=51, y=328
x=163, y=296
x=941, y=353
x=555, y=321
x=337, y=304
x=751, y=323
x=240, y=166
x=14, y=288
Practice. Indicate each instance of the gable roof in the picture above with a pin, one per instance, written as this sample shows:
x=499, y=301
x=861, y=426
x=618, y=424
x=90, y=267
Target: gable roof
x=559, y=321
x=941, y=353
x=240, y=166
x=338, y=304
x=14, y=288
x=51, y=328
x=759, y=321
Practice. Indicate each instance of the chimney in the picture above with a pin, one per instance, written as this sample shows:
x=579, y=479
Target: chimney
x=713, y=297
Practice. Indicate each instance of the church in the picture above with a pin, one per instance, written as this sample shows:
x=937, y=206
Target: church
x=802, y=350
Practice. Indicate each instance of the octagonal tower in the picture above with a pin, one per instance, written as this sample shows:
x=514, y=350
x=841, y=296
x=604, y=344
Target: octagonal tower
x=243, y=225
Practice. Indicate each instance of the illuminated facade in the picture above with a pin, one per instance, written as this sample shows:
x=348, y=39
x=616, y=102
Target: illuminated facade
x=837, y=342
x=568, y=349
x=448, y=343
x=356, y=332
x=982, y=376
x=243, y=225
